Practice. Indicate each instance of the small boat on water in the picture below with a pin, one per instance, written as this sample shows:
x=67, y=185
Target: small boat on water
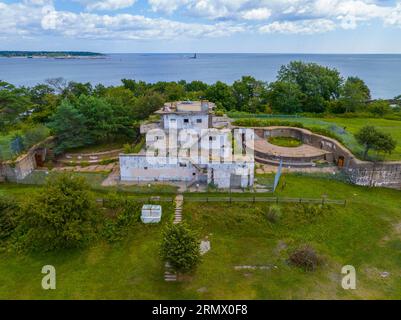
x=194, y=57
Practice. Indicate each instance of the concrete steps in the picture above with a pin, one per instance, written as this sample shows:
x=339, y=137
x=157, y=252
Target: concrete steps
x=179, y=200
x=169, y=275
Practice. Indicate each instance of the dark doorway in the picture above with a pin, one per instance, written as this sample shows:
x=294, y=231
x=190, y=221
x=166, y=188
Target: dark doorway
x=341, y=161
x=39, y=160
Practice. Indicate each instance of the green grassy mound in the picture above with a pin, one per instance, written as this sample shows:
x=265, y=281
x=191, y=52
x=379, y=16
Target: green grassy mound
x=287, y=142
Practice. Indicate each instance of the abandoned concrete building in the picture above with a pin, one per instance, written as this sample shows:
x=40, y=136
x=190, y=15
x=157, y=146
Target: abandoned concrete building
x=184, y=147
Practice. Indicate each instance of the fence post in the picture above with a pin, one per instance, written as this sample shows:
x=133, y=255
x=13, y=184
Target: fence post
x=276, y=200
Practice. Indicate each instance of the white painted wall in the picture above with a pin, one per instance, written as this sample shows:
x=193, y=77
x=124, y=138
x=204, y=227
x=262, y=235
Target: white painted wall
x=142, y=168
x=176, y=121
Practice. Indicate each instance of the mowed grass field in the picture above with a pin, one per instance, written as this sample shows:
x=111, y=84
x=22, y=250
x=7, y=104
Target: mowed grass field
x=366, y=233
x=392, y=127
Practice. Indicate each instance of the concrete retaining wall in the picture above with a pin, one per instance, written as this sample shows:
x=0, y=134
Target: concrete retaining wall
x=364, y=173
x=17, y=170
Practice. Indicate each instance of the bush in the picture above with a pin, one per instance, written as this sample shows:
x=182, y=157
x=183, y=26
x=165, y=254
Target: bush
x=35, y=135
x=123, y=213
x=308, y=213
x=180, y=248
x=273, y=214
x=105, y=162
x=306, y=258
x=8, y=218
x=62, y=215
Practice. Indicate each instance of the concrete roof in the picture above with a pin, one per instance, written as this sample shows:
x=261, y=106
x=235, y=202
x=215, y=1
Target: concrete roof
x=187, y=107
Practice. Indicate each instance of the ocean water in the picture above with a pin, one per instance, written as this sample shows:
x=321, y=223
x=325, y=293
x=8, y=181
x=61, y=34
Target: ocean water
x=382, y=73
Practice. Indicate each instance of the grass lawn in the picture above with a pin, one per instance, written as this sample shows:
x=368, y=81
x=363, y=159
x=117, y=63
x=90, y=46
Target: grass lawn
x=287, y=142
x=366, y=234
x=95, y=180
x=99, y=147
x=346, y=128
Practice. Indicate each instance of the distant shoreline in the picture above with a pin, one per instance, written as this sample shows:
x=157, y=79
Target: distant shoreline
x=51, y=55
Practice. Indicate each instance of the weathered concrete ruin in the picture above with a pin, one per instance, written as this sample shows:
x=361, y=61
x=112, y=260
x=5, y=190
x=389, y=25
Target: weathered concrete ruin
x=365, y=173
x=21, y=167
x=184, y=149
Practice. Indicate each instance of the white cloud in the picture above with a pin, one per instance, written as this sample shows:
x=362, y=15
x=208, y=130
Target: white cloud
x=25, y=19
x=106, y=4
x=394, y=18
x=29, y=18
x=257, y=14
x=299, y=27
x=167, y=6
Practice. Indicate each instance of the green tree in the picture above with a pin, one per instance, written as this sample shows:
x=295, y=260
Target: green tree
x=285, y=97
x=8, y=217
x=34, y=135
x=354, y=94
x=77, y=89
x=148, y=104
x=319, y=84
x=222, y=95
x=62, y=215
x=379, y=107
x=371, y=138
x=69, y=125
x=14, y=102
x=250, y=94
x=172, y=91
x=138, y=88
x=180, y=248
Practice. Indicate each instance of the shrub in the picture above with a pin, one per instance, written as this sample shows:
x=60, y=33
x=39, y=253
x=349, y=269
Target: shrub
x=34, y=135
x=8, y=217
x=105, y=162
x=84, y=164
x=123, y=213
x=273, y=214
x=310, y=212
x=306, y=258
x=62, y=215
x=128, y=148
x=180, y=248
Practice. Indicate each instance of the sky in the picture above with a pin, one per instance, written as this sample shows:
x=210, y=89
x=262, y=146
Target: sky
x=215, y=26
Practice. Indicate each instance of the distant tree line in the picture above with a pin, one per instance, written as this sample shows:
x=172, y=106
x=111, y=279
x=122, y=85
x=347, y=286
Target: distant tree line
x=81, y=114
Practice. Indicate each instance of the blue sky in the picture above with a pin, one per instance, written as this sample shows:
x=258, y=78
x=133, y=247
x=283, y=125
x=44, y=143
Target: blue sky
x=271, y=26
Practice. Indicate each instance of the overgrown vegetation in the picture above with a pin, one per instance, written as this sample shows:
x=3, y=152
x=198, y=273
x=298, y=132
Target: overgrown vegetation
x=63, y=215
x=306, y=258
x=379, y=141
